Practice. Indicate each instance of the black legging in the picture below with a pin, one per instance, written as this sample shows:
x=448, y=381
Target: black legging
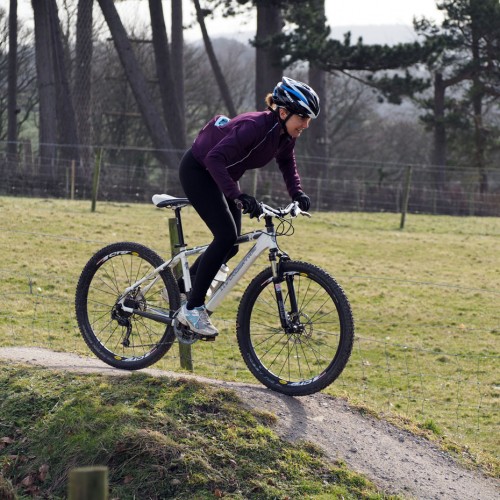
x=221, y=216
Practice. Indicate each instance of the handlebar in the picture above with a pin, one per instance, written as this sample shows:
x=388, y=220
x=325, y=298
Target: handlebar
x=292, y=209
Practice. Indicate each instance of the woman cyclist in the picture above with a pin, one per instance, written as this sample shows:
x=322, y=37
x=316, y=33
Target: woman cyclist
x=209, y=173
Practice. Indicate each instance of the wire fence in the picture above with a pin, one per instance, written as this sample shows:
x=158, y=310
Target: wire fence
x=442, y=387
x=132, y=174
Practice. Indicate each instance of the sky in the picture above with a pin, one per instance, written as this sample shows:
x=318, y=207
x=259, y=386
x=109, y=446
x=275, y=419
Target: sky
x=339, y=13
x=366, y=12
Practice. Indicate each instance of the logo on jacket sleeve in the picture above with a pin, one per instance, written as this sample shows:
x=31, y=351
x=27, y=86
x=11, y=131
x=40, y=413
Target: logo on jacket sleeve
x=222, y=121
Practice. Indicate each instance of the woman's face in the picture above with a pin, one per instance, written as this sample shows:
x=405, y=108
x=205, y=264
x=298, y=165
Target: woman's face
x=295, y=124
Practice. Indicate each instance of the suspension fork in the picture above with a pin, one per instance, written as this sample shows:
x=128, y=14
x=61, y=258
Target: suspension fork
x=286, y=319
x=278, y=278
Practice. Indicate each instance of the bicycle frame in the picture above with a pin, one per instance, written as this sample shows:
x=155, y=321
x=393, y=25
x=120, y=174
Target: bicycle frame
x=135, y=327
x=263, y=240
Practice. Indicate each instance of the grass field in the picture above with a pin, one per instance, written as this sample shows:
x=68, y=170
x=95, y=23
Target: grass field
x=425, y=301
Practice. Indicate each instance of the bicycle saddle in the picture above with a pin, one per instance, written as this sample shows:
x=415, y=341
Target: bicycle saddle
x=167, y=201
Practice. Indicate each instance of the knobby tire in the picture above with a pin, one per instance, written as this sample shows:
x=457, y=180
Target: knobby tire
x=301, y=363
x=104, y=278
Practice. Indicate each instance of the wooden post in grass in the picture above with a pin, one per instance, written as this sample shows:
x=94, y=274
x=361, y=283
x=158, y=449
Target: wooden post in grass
x=95, y=178
x=88, y=483
x=318, y=193
x=406, y=197
x=184, y=349
x=72, y=180
x=255, y=182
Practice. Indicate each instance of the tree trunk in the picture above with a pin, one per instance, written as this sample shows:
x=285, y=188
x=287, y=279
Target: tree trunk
x=12, y=84
x=66, y=121
x=171, y=110
x=477, y=95
x=219, y=76
x=46, y=86
x=83, y=80
x=439, y=131
x=317, y=136
x=177, y=53
x=157, y=131
x=268, y=69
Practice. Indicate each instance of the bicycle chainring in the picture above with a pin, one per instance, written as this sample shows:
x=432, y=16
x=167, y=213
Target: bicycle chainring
x=183, y=333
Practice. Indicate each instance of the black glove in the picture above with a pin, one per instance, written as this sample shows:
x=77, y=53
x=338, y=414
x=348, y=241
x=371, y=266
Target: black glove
x=249, y=205
x=303, y=200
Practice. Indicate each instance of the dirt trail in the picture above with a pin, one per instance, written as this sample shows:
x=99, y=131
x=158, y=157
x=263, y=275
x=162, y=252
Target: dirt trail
x=395, y=460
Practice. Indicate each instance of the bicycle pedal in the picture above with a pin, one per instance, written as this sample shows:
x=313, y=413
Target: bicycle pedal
x=207, y=338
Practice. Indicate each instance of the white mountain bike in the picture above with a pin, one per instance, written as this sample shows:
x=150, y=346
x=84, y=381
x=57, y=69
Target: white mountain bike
x=294, y=324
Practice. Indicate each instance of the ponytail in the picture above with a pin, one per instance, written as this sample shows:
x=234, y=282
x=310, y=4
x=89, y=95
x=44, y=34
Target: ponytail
x=270, y=101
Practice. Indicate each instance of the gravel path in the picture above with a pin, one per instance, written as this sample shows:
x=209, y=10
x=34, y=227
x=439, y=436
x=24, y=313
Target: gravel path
x=395, y=460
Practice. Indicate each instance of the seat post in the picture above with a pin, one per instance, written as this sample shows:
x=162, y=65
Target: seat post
x=178, y=223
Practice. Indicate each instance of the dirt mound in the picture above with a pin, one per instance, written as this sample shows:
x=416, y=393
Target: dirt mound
x=395, y=460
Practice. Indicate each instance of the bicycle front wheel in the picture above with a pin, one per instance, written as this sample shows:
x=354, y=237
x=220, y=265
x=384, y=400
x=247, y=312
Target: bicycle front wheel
x=117, y=337
x=310, y=352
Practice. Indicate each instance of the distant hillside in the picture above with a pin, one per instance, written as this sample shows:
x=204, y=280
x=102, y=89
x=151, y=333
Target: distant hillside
x=373, y=34
x=389, y=34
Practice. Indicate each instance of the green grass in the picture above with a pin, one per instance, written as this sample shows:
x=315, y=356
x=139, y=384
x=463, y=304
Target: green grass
x=425, y=302
x=159, y=438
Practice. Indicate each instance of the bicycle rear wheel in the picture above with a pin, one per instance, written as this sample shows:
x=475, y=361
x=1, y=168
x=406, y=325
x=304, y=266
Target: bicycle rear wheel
x=119, y=338
x=310, y=355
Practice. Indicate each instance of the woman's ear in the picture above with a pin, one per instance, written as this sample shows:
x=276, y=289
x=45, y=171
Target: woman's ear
x=283, y=113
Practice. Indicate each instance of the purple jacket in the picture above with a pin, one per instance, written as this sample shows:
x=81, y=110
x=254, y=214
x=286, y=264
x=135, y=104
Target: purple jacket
x=228, y=148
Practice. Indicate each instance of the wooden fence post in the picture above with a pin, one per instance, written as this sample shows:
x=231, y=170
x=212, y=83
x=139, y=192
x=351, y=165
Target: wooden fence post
x=406, y=197
x=88, y=483
x=318, y=193
x=95, y=178
x=72, y=180
x=184, y=349
x=255, y=182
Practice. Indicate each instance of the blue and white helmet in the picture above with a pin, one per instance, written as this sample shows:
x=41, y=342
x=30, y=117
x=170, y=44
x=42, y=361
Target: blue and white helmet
x=296, y=97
